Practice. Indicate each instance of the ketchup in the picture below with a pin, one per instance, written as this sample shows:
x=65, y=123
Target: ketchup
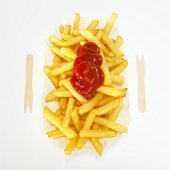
x=87, y=75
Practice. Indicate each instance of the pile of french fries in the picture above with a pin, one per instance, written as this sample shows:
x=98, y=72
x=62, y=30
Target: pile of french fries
x=78, y=118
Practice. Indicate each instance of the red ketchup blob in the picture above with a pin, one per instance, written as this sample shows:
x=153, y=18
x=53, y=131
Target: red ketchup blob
x=87, y=76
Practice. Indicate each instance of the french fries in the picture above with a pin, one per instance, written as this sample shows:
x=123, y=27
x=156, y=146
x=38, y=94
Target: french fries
x=56, y=51
x=118, y=80
x=54, y=120
x=107, y=80
x=90, y=37
x=70, y=107
x=111, y=45
x=55, y=134
x=112, y=91
x=87, y=124
x=67, y=29
x=50, y=96
x=75, y=118
x=97, y=145
x=106, y=108
x=65, y=67
x=92, y=26
x=105, y=101
x=119, y=68
x=99, y=34
x=118, y=41
x=68, y=52
x=111, y=125
x=73, y=41
x=97, y=133
x=80, y=98
x=76, y=24
x=90, y=104
x=80, y=118
x=53, y=79
x=110, y=23
x=70, y=146
x=62, y=92
x=115, y=113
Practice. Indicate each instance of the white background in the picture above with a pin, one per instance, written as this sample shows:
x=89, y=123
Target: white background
x=24, y=28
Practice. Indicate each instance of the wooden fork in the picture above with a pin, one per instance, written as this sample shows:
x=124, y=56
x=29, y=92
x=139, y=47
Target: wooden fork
x=28, y=88
x=140, y=67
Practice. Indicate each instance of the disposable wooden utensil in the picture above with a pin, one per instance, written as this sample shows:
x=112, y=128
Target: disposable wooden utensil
x=28, y=87
x=140, y=67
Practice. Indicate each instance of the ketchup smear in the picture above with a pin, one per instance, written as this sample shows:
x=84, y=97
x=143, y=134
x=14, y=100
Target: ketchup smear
x=87, y=75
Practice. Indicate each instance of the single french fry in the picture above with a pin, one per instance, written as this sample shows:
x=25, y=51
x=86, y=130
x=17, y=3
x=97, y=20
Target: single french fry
x=112, y=91
x=97, y=145
x=61, y=28
x=55, y=134
x=54, y=120
x=57, y=60
x=62, y=93
x=111, y=45
x=65, y=67
x=81, y=142
x=63, y=75
x=75, y=118
x=107, y=80
x=108, y=113
x=97, y=133
x=119, y=68
x=67, y=29
x=53, y=39
x=70, y=106
x=73, y=41
x=92, y=26
x=70, y=146
x=105, y=101
x=89, y=120
x=111, y=125
x=99, y=34
x=61, y=84
x=63, y=103
x=87, y=124
x=58, y=65
x=50, y=96
x=67, y=37
x=68, y=52
x=114, y=115
x=118, y=80
x=90, y=104
x=83, y=42
x=105, y=108
x=76, y=24
x=116, y=60
x=118, y=41
x=110, y=23
x=53, y=79
x=62, y=90
x=56, y=51
x=79, y=97
x=90, y=37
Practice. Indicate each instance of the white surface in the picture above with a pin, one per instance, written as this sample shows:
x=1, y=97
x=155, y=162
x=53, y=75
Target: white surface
x=25, y=27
